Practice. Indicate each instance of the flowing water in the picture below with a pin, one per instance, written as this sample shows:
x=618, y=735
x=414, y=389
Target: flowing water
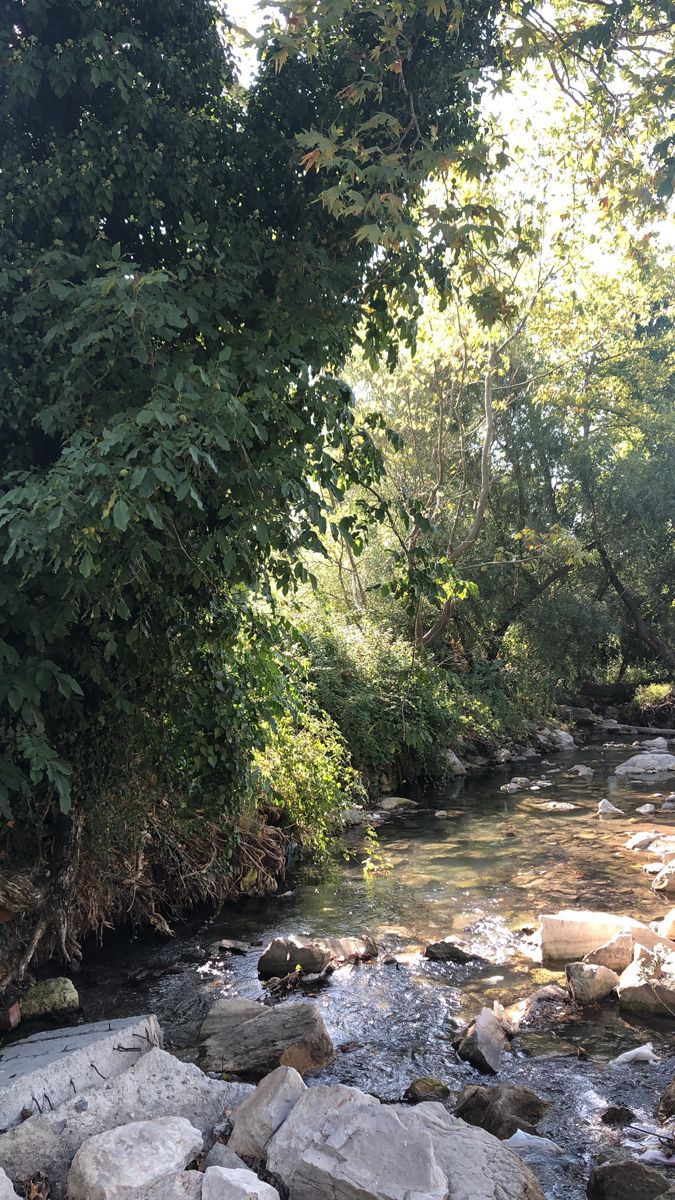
x=483, y=874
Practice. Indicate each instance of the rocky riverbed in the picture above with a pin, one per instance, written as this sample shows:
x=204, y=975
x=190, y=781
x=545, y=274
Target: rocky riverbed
x=450, y=929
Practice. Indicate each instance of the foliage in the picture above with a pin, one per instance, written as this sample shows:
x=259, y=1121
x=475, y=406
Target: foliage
x=304, y=772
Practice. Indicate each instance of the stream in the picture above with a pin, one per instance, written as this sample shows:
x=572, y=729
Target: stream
x=482, y=874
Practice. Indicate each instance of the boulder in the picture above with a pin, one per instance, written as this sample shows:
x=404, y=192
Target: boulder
x=616, y=954
x=617, y=1114
x=49, y=998
x=646, y=810
x=122, y=1163
x=666, y=1107
x=626, y=1180
x=62, y=1063
x=560, y=739
x=484, y=1042
x=642, y=840
x=607, y=809
x=286, y=954
x=501, y=1110
x=221, y=1156
x=666, y=926
x=242, y=1036
x=157, y=1085
x=581, y=771
x=261, y=1114
x=184, y=1185
x=395, y=803
x=220, y=1183
x=647, y=764
x=647, y=986
x=426, y=1088
x=589, y=982
x=357, y=1148
x=664, y=881
x=451, y=950
x=6, y=1190
x=657, y=743
x=455, y=766
x=568, y=935
x=228, y=946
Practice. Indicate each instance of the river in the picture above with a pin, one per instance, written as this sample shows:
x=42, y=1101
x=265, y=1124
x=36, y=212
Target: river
x=483, y=874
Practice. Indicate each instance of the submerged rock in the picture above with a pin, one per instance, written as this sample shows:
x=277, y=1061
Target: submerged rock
x=394, y=803
x=426, y=1088
x=122, y=1163
x=451, y=950
x=501, y=1110
x=241, y=1036
x=617, y=1114
x=626, y=1180
x=484, y=1042
x=51, y=997
x=581, y=771
x=590, y=982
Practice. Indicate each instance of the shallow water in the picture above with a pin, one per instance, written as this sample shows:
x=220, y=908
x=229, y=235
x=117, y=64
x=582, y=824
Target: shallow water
x=482, y=874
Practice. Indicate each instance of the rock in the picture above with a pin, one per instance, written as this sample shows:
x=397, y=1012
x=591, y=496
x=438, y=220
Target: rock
x=484, y=1042
x=228, y=946
x=556, y=805
x=61, y=1063
x=568, y=935
x=396, y=803
x=647, y=764
x=222, y=1156
x=561, y=739
x=261, y=1114
x=221, y=1183
x=50, y=997
x=351, y=1147
x=356, y=816
x=520, y=781
x=426, y=1088
x=666, y=1107
x=501, y=1110
x=665, y=880
x=607, y=809
x=6, y=1190
x=617, y=1114
x=242, y=1036
x=666, y=926
x=581, y=771
x=545, y=1007
x=589, y=982
x=645, y=810
x=184, y=1185
x=10, y=1016
x=450, y=950
x=642, y=841
x=286, y=954
x=122, y=1163
x=455, y=767
x=657, y=743
x=626, y=1180
x=531, y=1145
x=441, y=815
x=647, y=986
x=616, y=954
x=157, y=1085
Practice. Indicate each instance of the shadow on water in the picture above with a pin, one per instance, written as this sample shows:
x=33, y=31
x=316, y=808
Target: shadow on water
x=484, y=874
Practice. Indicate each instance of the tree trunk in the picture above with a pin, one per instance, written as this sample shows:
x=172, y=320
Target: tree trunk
x=646, y=634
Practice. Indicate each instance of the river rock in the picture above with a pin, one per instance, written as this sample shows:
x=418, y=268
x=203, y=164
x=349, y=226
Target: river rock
x=122, y=1163
x=642, y=840
x=242, y=1036
x=62, y=1063
x=647, y=764
x=455, y=766
x=184, y=1185
x=286, y=954
x=350, y=1146
x=484, y=1042
x=607, y=809
x=568, y=935
x=647, y=986
x=617, y=1114
x=664, y=883
x=261, y=1114
x=616, y=954
x=589, y=982
x=645, y=810
x=49, y=998
x=666, y=926
x=666, y=1107
x=581, y=771
x=426, y=1088
x=157, y=1085
x=221, y=1183
x=626, y=1180
x=657, y=743
x=222, y=1156
x=6, y=1190
x=228, y=946
x=501, y=1110
x=451, y=950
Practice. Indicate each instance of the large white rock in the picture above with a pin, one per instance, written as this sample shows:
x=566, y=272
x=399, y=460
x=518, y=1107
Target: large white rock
x=313, y=1110
x=242, y=1036
x=158, y=1085
x=122, y=1163
x=589, y=983
x=223, y=1184
x=366, y=1151
x=568, y=935
x=455, y=765
x=647, y=764
x=642, y=840
x=666, y=927
x=647, y=986
x=616, y=954
x=6, y=1190
x=657, y=743
x=58, y=1064
x=261, y=1114
x=664, y=883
